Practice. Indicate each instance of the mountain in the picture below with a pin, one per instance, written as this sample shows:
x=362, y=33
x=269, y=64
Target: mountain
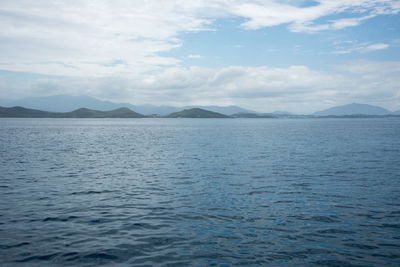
x=226, y=110
x=123, y=113
x=196, y=113
x=65, y=103
x=20, y=112
x=397, y=112
x=90, y=113
x=353, y=109
x=165, y=110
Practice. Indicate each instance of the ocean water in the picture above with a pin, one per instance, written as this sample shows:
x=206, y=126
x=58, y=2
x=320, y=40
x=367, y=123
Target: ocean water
x=200, y=192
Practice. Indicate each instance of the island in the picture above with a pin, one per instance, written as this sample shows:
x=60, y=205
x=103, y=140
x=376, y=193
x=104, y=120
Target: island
x=196, y=113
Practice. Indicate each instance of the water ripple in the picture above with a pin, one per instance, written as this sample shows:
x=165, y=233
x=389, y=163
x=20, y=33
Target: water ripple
x=157, y=192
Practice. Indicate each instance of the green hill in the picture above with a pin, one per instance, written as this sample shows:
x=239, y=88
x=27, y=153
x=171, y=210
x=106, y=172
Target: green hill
x=124, y=113
x=20, y=112
x=196, y=113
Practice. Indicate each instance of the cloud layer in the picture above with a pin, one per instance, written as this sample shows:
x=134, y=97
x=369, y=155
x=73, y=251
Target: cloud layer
x=100, y=37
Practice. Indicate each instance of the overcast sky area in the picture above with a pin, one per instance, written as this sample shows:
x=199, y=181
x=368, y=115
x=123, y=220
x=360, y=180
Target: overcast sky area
x=292, y=55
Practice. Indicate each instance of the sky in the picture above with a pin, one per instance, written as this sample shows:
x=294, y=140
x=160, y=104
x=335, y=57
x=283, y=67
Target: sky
x=265, y=55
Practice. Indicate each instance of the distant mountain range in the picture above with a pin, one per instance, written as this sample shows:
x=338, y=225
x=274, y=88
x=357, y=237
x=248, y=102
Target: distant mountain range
x=66, y=103
x=21, y=112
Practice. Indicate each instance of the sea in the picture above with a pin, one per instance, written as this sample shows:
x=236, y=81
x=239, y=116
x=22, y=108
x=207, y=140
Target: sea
x=200, y=192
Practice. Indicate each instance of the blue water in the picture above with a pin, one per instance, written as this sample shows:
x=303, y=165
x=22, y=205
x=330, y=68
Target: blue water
x=217, y=192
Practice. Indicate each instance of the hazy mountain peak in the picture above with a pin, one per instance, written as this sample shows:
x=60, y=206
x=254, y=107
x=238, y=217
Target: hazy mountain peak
x=353, y=109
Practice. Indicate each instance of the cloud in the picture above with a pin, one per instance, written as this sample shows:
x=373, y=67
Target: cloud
x=303, y=19
x=82, y=38
x=194, y=56
x=349, y=22
x=85, y=34
x=391, y=68
x=375, y=47
x=360, y=48
x=297, y=89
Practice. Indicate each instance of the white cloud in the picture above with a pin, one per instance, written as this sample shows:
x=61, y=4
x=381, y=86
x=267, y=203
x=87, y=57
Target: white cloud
x=349, y=22
x=85, y=34
x=303, y=19
x=194, y=56
x=360, y=48
x=375, y=47
x=368, y=67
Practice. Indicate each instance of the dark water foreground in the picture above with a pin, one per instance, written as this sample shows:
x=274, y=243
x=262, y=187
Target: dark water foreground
x=218, y=192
